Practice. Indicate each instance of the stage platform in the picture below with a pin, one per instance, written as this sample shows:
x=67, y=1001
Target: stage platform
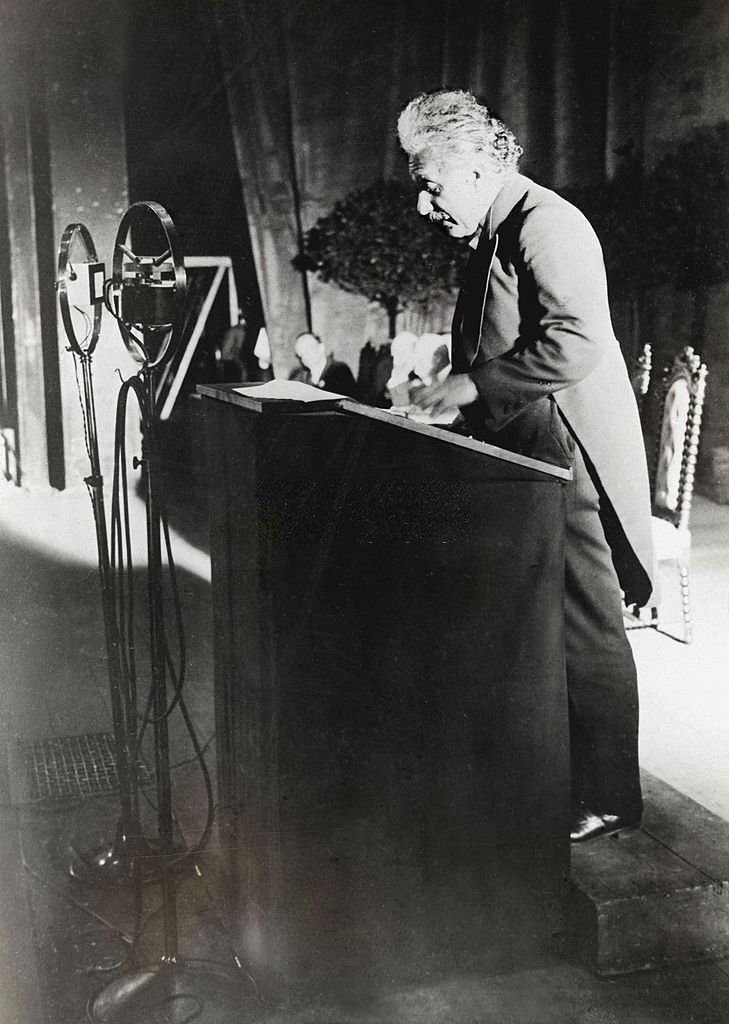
x=656, y=896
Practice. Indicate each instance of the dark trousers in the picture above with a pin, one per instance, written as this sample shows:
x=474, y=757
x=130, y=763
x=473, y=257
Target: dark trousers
x=601, y=675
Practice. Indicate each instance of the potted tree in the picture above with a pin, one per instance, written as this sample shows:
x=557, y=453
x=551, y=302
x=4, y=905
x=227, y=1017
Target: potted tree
x=374, y=243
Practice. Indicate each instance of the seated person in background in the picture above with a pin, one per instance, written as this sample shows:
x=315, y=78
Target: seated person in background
x=262, y=356
x=229, y=354
x=432, y=359
x=375, y=367
x=402, y=350
x=239, y=358
x=320, y=368
x=432, y=365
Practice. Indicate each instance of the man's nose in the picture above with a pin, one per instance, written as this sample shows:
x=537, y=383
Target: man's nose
x=425, y=203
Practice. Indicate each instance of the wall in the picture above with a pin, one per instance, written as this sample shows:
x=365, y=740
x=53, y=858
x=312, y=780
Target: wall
x=83, y=72
x=684, y=82
x=25, y=427
x=64, y=162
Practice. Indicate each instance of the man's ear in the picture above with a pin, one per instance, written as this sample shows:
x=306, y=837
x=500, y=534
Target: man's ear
x=476, y=178
x=482, y=176
x=479, y=173
x=490, y=170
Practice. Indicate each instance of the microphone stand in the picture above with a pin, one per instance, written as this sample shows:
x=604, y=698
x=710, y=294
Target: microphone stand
x=174, y=990
x=111, y=861
x=165, y=820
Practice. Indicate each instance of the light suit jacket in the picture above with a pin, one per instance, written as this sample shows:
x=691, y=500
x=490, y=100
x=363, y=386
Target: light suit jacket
x=532, y=328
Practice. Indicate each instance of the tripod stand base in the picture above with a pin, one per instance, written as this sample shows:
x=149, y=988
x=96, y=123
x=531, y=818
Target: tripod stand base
x=176, y=993
x=104, y=865
x=112, y=863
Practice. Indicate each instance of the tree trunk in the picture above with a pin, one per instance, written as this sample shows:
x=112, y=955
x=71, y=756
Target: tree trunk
x=392, y=311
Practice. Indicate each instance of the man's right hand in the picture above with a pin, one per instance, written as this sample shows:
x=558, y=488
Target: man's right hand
x=457, y=390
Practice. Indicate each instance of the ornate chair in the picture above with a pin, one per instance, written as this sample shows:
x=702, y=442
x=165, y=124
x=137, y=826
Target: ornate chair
x=672, y=466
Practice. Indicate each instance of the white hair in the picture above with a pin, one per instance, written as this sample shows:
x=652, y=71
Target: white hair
x=448, y=123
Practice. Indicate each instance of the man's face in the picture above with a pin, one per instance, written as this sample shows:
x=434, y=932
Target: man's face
x=308, y=350
x=456, y=194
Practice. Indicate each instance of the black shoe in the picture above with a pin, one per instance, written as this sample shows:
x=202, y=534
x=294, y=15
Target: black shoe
x=587, y=825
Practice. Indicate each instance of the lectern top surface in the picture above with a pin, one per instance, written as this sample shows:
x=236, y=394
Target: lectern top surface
x=450, y=437
x=273, y=396
x=260, y=399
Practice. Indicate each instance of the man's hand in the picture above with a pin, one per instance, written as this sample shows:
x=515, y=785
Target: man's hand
x=456, y=390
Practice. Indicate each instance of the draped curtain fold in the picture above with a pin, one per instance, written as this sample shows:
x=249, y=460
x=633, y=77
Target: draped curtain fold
x=314, y=89
x=255, y=65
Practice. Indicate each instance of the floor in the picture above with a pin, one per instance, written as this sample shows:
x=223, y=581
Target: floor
x=61, y=944
x=685, y=688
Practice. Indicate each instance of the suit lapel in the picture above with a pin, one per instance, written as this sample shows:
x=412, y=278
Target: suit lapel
x=471, y=305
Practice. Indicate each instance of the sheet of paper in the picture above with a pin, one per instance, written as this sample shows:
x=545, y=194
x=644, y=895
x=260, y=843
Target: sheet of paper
x=288, y=390
x=412, y=412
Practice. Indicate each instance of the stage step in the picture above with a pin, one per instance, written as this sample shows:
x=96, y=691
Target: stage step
x=654, y=897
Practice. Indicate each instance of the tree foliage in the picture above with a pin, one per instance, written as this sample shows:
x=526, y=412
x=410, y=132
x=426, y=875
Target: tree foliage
x=375, y=244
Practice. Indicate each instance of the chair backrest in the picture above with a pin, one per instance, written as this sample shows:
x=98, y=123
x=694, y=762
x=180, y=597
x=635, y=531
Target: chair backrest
x=682, y=392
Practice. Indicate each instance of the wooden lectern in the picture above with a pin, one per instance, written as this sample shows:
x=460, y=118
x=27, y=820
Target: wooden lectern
x=390, y=696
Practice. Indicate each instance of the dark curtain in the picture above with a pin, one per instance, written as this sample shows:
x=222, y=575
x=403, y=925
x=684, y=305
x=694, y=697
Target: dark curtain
x=315, y=88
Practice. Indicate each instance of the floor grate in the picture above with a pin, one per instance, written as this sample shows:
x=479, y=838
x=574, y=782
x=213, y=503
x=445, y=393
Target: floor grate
x=72, y=766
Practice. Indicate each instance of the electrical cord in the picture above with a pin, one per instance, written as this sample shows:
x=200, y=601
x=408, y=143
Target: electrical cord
x=121, y=566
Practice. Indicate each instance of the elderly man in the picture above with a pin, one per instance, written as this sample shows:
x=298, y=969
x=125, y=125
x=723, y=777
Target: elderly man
x=537, y=369
x=320, y=368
